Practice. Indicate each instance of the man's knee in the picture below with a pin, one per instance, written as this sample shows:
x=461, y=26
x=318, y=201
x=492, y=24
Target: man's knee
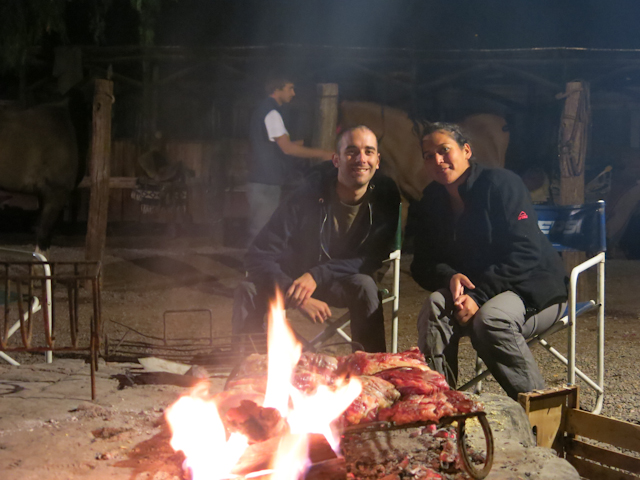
x=245, y=291
x=363, y=286
x=433, y=306
x=489, y=327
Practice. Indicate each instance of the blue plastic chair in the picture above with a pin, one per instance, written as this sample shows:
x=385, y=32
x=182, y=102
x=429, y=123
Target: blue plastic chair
x=572, y=228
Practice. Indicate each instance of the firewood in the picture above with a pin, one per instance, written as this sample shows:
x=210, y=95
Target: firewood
x=258, y=456
x=334, y=469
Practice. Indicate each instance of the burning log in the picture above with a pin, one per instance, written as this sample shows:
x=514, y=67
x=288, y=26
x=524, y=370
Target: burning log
x=258, y=424
x=334, y=469
x=259, y=455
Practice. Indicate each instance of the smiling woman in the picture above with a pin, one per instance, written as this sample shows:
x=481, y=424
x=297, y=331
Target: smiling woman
x=446, y=153
x=493, y=274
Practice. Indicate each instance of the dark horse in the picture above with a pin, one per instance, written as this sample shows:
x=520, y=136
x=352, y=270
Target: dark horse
x=39, y=156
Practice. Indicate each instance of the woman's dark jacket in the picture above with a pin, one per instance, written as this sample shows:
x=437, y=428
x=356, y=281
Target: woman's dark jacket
x=296, y=238
x=496, y=241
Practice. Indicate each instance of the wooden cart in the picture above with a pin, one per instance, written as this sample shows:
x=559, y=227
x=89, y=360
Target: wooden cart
x=587, y=441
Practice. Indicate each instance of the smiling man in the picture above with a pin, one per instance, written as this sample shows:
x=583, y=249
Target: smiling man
x=324, y=242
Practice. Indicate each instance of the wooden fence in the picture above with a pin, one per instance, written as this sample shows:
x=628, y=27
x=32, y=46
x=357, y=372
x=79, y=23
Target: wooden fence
x=218, y=168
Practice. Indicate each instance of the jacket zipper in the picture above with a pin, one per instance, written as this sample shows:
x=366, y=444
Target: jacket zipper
x=324, y=221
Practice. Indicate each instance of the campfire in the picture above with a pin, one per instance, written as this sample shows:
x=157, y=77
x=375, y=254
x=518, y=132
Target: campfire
x=283, y=415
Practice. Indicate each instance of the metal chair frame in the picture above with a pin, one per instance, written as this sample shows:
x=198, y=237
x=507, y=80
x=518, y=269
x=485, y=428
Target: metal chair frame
x=35, y=305
x=574, y=309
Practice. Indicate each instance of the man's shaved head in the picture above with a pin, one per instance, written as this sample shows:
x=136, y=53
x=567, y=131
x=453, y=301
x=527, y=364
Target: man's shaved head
x=342, y=138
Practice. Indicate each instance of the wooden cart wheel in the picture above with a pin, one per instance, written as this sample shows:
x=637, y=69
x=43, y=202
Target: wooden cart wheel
x=469, y=467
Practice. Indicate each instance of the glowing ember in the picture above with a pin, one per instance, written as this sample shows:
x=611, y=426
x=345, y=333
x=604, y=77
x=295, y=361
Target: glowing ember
x=199, y=432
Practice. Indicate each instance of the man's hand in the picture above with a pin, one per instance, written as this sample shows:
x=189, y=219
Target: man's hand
x=465, y=308
x=315, y=310
x=300, y=290
x=457, y=285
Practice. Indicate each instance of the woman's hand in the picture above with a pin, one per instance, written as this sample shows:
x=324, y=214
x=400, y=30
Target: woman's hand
x=465, y=308
x=457, y=285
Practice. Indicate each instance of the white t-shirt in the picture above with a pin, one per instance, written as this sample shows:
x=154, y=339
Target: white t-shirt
x=275, y=125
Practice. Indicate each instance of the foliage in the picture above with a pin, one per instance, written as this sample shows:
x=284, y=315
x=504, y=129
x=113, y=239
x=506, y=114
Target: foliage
x=23, y=23
x=98, y=24
x=148, y=11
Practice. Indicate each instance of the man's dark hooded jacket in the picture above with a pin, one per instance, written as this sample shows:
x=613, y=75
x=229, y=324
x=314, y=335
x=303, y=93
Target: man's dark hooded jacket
x=296, y=238
x=496, y=241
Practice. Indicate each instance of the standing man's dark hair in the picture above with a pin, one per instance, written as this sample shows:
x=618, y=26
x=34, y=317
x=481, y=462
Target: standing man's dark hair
x=272, y=151
x=276, y=81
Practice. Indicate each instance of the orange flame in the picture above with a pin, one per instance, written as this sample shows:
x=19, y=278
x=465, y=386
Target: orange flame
x=199, y=432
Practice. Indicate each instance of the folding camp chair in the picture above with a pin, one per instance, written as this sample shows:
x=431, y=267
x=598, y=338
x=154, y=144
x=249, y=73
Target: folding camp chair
x=337, y=326
x=572, y=228
x=9, y=296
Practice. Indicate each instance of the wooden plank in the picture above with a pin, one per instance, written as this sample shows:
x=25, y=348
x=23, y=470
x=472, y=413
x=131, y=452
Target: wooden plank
x=593, y=471
x=546, y=417
x=607, y=430
x=114, y=182
x=603, y=455
x=546, y=414
x=100, y=170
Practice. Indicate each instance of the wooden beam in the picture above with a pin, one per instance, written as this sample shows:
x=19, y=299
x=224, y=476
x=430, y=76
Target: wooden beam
x=526, y=76
x=573, y=141
x=326, y=116
x=99, y=170
x=604, y=456
x=114, y=182
x=593, y=471
x=612, y=74
x=602, y=429
x=450, y=78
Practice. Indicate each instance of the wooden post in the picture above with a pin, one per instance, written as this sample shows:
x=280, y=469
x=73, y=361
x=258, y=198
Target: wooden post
x=99, y=170
x=634, y=130
x=326, y=116
x=572, y=149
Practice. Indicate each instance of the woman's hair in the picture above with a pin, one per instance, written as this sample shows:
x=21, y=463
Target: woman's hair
x=452, y=129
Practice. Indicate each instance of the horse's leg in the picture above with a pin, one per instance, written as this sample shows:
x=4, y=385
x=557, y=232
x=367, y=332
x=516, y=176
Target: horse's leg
x=52, y=202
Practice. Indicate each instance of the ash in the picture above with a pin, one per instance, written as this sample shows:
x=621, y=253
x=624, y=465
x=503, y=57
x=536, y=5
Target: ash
x=422, y=453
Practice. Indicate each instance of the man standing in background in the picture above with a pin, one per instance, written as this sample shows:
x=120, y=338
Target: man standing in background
x=271, y=149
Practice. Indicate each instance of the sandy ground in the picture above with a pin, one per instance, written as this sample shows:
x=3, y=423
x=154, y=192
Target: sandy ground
x=50, y=429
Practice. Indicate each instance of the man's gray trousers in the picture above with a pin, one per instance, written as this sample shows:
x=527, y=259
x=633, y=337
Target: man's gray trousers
x=498, y=332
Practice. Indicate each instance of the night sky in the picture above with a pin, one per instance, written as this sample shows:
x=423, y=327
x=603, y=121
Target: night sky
x=404, y=23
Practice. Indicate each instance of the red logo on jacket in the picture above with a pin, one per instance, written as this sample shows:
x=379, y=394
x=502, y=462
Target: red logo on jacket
x=522, y=215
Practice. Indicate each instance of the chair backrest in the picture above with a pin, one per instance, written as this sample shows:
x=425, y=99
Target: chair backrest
x=574, y=227
x=397, y=241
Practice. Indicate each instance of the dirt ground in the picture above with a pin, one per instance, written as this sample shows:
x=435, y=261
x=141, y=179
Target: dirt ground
x=50, y=429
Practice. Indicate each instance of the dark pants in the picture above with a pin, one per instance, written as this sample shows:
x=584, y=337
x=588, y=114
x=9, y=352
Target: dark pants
x=358, y=293
x=498, y=332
